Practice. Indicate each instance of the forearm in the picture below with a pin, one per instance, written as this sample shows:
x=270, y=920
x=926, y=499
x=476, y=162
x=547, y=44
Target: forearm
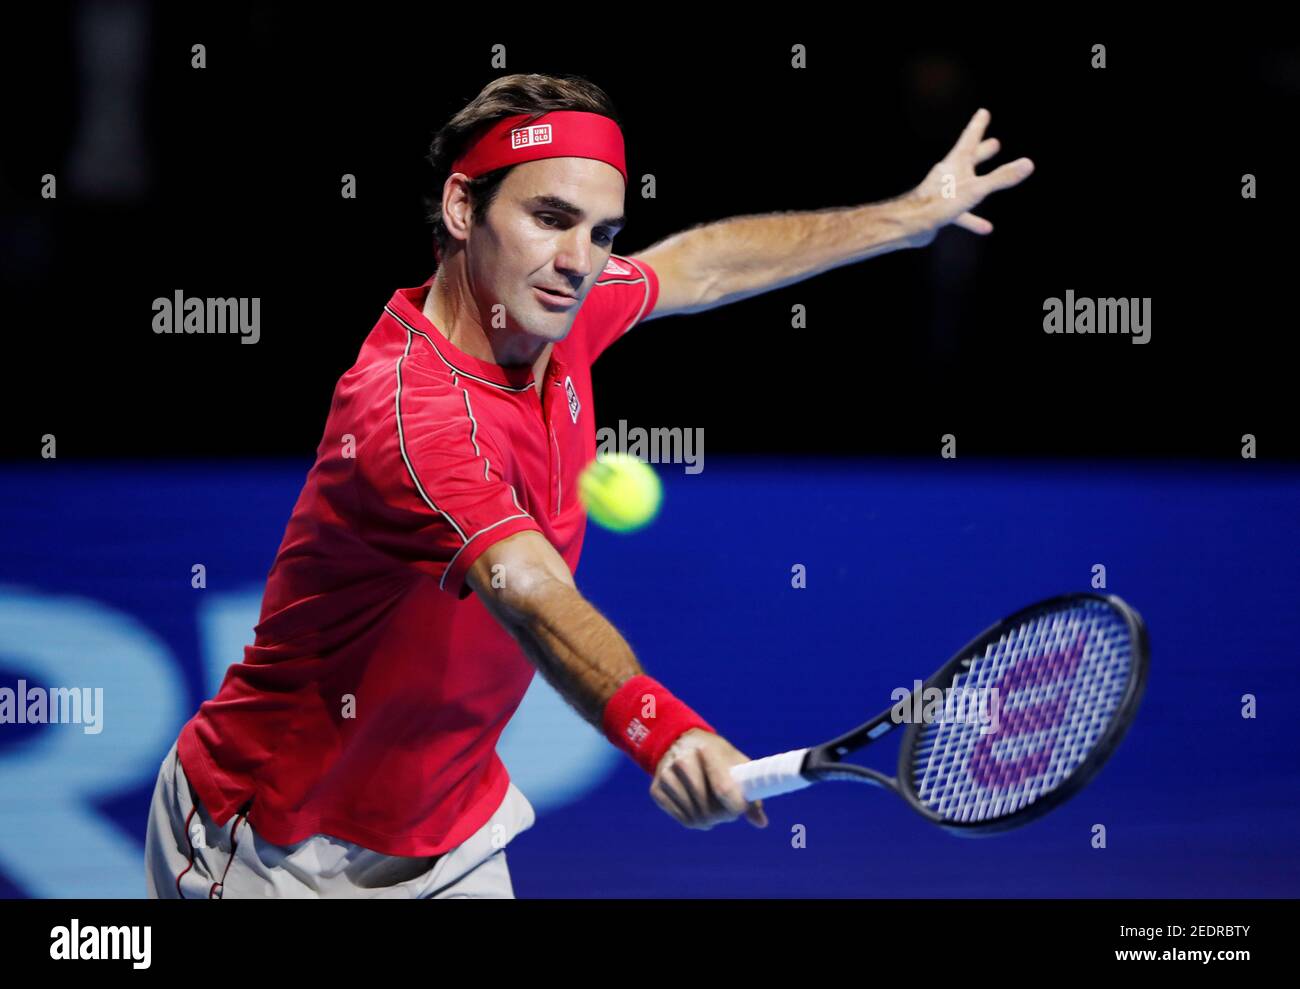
x=574, y=647
x=746, y=255
x=529, y=589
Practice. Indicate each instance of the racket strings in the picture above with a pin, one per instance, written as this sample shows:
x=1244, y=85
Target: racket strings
x=1051, y=687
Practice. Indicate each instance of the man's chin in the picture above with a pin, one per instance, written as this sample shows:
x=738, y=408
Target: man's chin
x=550, y=327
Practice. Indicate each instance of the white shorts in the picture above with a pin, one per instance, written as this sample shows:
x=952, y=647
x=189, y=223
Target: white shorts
x=200, y=864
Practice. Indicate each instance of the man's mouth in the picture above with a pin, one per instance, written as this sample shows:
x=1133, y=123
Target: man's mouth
x=555, y=298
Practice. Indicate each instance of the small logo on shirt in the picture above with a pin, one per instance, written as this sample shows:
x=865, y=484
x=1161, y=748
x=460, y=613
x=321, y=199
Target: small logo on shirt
x=574, y=405
x=637, y=732
x=612, y=267
x=526, y=137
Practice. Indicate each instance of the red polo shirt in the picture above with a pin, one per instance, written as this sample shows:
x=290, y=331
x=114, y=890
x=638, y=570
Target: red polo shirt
x=369, y=705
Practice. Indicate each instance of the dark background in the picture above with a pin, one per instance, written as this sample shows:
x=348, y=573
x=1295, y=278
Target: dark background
x=175, y=450
x=225, y=182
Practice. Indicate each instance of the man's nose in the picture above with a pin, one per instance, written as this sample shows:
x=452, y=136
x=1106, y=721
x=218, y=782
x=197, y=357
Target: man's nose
x=574, y=257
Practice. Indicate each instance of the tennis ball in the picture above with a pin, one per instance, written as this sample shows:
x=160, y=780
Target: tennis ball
x=620, y=492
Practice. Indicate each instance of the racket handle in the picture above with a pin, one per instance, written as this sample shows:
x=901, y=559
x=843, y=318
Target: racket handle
x=771, y=776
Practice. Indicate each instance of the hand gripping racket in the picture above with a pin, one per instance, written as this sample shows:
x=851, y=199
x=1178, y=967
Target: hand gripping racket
x=1064, y=676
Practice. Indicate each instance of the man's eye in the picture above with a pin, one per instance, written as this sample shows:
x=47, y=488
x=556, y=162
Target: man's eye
x=550, y=220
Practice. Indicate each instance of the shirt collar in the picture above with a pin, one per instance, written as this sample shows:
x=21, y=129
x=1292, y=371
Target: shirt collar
x=408, y=305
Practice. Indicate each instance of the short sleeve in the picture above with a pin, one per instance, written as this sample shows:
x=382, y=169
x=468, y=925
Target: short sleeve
x=443, y=499
x=623, y=295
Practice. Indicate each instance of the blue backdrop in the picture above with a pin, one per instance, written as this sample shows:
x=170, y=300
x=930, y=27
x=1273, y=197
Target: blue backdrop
x=905, y=561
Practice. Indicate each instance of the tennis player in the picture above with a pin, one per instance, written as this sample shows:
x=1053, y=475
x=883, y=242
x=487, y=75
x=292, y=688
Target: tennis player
x=426, y=571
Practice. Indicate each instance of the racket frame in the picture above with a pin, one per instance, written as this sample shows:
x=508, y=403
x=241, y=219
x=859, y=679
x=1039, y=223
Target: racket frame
x=823, y=762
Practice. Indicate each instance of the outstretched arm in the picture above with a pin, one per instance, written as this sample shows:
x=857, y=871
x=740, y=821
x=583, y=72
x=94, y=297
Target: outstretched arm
x=528, y=588
x=723, y=262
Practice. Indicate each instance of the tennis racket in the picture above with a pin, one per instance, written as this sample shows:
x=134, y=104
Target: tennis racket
x=1060, y=681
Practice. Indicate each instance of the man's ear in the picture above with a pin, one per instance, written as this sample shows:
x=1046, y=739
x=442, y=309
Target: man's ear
x=457, y=206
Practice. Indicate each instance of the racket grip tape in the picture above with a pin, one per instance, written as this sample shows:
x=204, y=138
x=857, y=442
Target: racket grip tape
x=771, y=776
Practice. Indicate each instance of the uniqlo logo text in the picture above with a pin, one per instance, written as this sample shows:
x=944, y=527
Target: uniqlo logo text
x=523, y=137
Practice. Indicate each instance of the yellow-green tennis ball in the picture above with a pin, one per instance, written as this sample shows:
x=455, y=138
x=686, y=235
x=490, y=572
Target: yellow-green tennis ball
x=621, y=492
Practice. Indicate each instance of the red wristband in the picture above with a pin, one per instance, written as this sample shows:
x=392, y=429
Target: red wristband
x=644, y=719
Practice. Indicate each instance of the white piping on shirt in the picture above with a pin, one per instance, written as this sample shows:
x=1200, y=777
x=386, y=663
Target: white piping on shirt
x=411, y=329
x=401, y=442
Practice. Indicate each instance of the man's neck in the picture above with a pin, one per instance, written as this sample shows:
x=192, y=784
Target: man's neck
x=461, y=325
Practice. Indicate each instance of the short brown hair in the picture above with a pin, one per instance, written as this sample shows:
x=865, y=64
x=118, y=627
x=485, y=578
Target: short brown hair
x=507, y=96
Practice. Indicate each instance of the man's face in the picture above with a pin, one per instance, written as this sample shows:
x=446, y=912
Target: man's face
x=551, y=226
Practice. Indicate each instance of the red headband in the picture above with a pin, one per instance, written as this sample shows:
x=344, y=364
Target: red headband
x=558, y=134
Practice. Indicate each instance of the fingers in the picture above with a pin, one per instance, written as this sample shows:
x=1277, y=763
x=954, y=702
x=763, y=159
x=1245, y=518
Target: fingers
x=975, y=224
x=1005, y=176
x=970, y=137
x=987, y=149
x=670, y=803
x=690, y=774
x=697, y=790
x=727, y=790
x=680, y=789
x=980, y=149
